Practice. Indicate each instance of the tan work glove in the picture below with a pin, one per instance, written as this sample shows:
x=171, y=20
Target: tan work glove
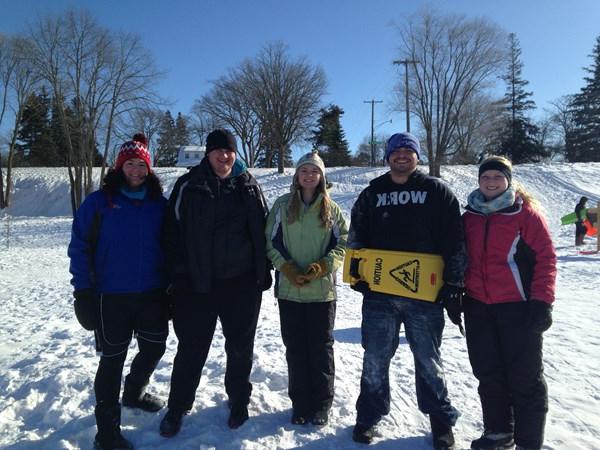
x=315, y=270
x=292, y=272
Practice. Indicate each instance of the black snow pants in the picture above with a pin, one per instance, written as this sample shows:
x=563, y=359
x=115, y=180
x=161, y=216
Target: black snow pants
x=144, y=315
x=236, y=303
x=506, y=357
x=307, y=332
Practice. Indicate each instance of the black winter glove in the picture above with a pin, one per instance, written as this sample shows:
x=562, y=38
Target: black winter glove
x=450, y=297
x=87, y=309
x=361, y=286
x=540, y=315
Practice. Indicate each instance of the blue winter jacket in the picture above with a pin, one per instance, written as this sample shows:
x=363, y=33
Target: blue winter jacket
x=116, y=244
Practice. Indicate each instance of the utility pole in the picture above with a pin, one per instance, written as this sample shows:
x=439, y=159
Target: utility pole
x=372, y=102
x=406, y=62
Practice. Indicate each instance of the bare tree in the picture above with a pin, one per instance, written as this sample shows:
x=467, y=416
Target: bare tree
x=285, y=95
x=21, y=82
x=228, y=103
x=480, y=116
x=72, y=57
x=132, y=79
x=201, y=124
x=458, y=58
x=7, y=67
x=558, y=124
x=99, y=75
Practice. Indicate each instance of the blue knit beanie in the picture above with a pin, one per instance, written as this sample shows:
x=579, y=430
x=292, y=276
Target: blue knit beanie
x=402, y=140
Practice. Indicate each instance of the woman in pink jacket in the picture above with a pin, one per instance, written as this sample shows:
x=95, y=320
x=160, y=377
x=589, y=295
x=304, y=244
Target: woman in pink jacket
x=509, y=283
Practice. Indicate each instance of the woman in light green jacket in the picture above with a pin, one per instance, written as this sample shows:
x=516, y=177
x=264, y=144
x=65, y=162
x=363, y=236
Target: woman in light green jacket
x=306, y=240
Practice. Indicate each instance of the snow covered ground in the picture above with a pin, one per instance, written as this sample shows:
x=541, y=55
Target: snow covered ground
x=47, y=362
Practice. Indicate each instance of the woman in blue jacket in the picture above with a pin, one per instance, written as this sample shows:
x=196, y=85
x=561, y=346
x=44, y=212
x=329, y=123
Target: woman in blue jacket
x=117, y=265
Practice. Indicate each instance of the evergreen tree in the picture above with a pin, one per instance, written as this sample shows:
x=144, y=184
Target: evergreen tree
x=36, y=146
x=57, y=132
x=182, y=133
x=166, y=151
x=329, y=138
x=518, y=139
x=583, y=142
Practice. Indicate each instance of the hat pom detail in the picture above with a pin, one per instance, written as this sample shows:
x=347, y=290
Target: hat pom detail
x=140, y=137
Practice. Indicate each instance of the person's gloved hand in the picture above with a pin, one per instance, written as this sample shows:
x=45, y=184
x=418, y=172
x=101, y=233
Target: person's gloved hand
x=540, y=315
x=361, y=286
x=86, y=308
x=292, y=272
x=450, y=297
x=314, y=271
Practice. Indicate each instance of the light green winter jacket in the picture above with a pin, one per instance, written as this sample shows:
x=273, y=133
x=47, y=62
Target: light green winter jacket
x=305, y=241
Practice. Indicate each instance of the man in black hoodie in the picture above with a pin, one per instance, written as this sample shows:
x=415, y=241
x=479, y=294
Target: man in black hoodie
x=405, y=210
x=216, y=254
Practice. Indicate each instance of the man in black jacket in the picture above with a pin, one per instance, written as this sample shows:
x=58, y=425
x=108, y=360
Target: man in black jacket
x=404, y=210
x=216, y=254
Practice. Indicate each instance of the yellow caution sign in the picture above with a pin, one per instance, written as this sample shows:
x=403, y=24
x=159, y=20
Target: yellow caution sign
x=412, y=275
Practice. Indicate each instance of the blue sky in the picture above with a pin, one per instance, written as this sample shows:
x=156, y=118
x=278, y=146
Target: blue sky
x=353, y=40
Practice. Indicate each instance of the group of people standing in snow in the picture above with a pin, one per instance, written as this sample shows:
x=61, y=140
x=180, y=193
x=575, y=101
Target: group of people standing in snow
x=206, y=254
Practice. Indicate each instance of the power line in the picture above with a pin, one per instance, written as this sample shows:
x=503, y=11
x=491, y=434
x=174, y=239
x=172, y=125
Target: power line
x=406, y=62
x=372, y=102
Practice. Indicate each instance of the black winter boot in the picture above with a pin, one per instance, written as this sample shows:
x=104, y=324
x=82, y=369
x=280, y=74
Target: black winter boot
x=363, y=434
x=443, y=438
x=171, y=423
x=237, y=417
x=108, y=421
x=135, y=397
x=491, y=440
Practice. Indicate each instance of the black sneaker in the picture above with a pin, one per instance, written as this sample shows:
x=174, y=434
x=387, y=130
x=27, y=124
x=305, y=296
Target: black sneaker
x=363, y=434
x=118, y=442
x=237, y=417
x=491, y=440
x=443, y=438
x=320, y=418
x=146, y=402
x=171, y=423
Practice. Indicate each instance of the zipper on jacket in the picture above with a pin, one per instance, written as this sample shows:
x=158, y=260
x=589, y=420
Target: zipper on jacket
x=483, y=256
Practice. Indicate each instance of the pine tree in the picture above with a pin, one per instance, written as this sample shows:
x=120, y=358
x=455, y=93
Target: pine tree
x=518, y=140
x=583, y=143
x=36, y=147
x=182, y=133
x=57, y=133
x=166, y=151
x=329, y=138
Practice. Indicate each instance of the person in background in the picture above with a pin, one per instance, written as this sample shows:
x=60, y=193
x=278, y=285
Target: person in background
x=510, y=282
x=306, y=238
x=405, y=210
x=216, y=256
x=118, y=269
x=580, y=229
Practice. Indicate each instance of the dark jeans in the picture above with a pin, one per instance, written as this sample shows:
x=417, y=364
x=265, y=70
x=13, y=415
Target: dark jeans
x=423, y=324
x=236, y=303
x=506, y=357
x=307, y=332
x=122, y=315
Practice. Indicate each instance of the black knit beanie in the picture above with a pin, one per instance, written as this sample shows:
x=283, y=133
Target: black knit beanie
x=220, y=138
x=495, y=164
